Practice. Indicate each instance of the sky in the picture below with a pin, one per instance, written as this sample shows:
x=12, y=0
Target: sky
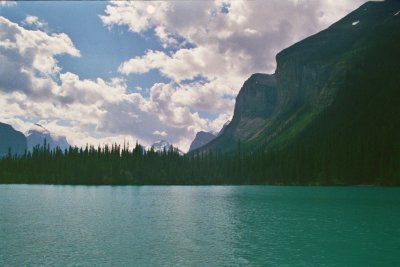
x=102, y=72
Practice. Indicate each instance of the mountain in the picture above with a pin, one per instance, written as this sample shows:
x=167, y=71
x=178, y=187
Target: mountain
x=323, y=79
x=162, y=145
x=202, y=138
x=38, y=134
x=11, y=139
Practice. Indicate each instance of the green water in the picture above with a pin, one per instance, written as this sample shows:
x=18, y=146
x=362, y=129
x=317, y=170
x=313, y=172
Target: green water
x=44, y=225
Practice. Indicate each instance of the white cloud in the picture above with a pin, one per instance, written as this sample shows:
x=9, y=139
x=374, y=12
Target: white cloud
x=143, y=64
x=187, y=63
x=138, y=15
x=35, y=22
x=166, y=38
x=28, y=58
x=169, y=112
x=75, y=90
x=162, y=134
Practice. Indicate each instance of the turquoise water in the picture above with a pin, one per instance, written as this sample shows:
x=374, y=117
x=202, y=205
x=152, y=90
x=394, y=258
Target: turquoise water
x=198, y=226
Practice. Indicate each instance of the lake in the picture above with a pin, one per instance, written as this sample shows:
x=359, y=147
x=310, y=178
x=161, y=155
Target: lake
x=199, y=226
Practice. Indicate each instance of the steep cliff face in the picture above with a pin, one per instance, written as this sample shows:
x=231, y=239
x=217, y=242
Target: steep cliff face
x=11, y=139
x=255, y=105
x=272, y=110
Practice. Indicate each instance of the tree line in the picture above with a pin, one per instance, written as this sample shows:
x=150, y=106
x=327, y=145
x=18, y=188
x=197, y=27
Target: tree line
x=300, y=164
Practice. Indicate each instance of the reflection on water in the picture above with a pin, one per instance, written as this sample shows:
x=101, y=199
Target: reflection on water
x=198, y=226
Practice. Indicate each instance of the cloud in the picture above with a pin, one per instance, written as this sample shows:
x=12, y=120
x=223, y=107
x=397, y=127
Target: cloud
x=74, y=90
x=28, y=58
x=158, y=133
x=166, y=38
x=139, y=18
x=186, y=64
x=35, y=23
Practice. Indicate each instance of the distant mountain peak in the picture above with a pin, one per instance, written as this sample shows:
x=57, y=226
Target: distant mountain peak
x=37, y=134
x=162, y=145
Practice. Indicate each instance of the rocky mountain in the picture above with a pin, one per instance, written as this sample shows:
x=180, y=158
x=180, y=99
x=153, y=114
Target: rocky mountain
x=162, y=145
x=11, y=139
x=202, y=138
x=337, y=87
x=38, y=134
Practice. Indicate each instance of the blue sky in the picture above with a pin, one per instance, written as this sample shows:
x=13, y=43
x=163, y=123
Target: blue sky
x=100, y=72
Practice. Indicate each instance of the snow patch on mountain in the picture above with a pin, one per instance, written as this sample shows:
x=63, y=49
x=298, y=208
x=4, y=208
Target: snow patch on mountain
x=162, y=145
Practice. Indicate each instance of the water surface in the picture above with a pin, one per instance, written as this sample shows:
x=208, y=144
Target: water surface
x=199, y=226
